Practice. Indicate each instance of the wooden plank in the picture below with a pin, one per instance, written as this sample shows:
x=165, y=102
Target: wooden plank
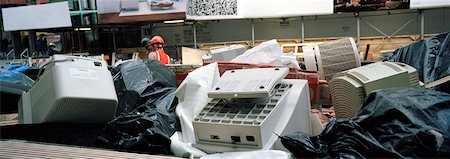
x=10, y=122
x=9, y=119
x=17, y=149
x=192, y=56
x=377, y=43
x=122, y=53
x=438, y=82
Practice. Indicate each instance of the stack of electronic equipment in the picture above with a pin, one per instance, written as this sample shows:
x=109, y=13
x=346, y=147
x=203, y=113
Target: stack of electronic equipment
x=250, y=108
x=329, y=58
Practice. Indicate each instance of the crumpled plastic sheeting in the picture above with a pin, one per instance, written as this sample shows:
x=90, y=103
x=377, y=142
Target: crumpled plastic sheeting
x=146, y=111
x=18, y=67
x=431, y=58
x=185, y=150
x=193, y=96
x=400, y=123
x=267, y=53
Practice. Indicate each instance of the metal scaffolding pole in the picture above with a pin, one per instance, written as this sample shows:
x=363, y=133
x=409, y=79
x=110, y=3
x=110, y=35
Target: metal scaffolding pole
x=253, y=33
x=195, y=36
x=358, y=32
x=303, y=30
x=422, y=24
x=114, y=40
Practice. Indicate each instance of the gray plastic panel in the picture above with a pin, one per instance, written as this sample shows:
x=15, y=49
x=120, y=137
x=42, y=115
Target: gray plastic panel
x=247, y=83
x=241, y=111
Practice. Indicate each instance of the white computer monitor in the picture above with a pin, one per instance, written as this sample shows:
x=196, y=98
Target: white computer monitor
x=349, y=88
x=70, y=90
x=250, y=108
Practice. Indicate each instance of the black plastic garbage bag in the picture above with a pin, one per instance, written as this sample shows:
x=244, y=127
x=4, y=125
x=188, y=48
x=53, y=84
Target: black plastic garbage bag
x=431, y=58
x=144, y=130
x=144, y=81
x=146, y=112
x=407, y=122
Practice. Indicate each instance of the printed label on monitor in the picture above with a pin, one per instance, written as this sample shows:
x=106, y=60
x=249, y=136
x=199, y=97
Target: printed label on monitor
x=83, y=73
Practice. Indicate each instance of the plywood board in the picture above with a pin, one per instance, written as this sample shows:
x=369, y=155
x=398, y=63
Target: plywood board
x=192, y=56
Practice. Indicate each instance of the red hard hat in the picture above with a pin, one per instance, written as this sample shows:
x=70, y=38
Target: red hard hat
x=157, y=40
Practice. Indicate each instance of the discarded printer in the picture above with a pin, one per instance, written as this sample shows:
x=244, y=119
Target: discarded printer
x=71, y=90
x=250, y=108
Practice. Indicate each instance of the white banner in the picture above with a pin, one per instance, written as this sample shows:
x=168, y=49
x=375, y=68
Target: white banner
x=52, y=15
x=420, y=4
x=284, y=8
x=240, y=9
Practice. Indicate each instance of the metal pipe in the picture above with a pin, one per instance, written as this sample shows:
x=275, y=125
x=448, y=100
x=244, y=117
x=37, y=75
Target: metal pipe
x=358, y=31
x=8, y=54
x=303, y=30
x=114, y=40
x=253, y=33
x=195, y=36
x=23, y=52
x=374, y=27
x=367, y=52
x=399, y=29
x=422, y=24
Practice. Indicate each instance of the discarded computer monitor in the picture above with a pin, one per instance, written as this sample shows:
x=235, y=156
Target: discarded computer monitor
x=250, y=108
x=349, y=88
x=70, y=90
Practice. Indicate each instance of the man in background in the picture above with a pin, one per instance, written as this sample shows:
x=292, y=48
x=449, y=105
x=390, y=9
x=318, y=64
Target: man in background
x=155, y=47
x=41, y=45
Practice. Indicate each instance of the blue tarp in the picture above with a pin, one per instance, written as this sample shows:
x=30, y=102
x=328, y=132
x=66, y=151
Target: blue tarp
x=15, y=77
x=431, y=58
x=18, y=67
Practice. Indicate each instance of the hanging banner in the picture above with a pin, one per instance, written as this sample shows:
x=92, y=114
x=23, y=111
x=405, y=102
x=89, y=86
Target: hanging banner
x=131, y=11
x=421, y=4
x=240, y=9
x=150, y=7
x=212, y=9
x=369, y=5
x=284, y=8
x=43, y=16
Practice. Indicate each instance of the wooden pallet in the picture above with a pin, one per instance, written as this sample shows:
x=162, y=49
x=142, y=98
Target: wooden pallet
x=18, y=149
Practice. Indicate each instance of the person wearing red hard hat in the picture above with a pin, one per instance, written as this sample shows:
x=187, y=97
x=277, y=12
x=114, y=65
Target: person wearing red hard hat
x=155, y=47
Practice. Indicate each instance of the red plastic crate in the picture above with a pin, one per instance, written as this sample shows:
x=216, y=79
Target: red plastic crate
x=181, y=71
x=313, y=81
